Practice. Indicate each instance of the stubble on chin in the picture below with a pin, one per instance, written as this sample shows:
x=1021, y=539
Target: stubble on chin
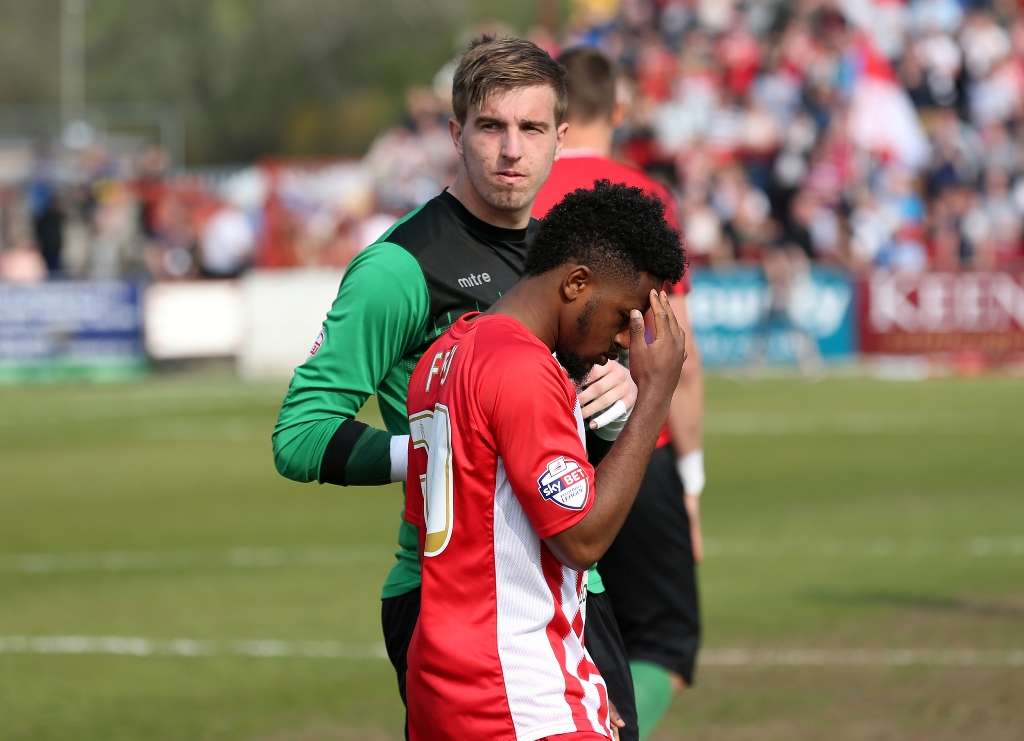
x=509, y=200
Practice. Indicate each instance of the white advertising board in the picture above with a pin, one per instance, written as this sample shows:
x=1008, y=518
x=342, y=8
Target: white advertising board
x=283, y=310
x=193, y=319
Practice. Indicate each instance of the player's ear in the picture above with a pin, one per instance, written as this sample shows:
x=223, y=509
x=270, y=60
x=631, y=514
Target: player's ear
x=576, y=282
x=560, y=137
x=455, y=131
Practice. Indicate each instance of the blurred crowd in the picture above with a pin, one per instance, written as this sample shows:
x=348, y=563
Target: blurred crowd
x=866, y=133
x=92, y=214
x=885, y=133
x=863, y=133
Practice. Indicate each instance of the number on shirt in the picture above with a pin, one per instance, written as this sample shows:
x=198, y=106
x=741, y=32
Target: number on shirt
x=432, y=431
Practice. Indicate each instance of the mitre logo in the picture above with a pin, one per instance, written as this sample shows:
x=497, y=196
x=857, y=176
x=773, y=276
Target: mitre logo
x=564, y=483
x=474, y=279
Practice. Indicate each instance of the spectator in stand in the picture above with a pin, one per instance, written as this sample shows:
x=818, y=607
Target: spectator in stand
x=226, y=243
x=412, y=161
x=47, y=214
x=20, y=260
x=150, y=189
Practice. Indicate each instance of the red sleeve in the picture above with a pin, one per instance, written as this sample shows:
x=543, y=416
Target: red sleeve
x=532, y=416
x=416, y=401
x=413, y=492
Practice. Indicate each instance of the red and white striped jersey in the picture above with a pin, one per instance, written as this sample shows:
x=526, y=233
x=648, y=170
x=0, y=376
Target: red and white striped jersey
x=496, y=464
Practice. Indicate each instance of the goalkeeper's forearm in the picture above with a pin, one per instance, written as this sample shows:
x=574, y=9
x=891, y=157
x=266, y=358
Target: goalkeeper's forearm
x=348, y=454
x=360, y=455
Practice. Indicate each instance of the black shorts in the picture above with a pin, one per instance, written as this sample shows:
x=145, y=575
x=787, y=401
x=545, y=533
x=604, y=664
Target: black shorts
x=398, y=616
x=604, y=644
x=650, y=574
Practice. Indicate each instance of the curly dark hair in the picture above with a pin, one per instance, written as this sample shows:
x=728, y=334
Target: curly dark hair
x=616, y=230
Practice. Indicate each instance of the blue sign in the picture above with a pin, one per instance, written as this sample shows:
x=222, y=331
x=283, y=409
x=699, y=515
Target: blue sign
x=70, y=328
x=740, y=319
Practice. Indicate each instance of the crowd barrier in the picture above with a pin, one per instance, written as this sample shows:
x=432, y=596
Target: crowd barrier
x=268, y=320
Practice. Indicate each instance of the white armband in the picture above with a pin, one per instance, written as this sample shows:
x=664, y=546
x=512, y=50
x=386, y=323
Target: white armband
x=691, y=472
x=399, y=457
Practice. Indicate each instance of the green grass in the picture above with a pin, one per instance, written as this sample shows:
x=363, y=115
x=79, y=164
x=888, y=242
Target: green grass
x=840, y=515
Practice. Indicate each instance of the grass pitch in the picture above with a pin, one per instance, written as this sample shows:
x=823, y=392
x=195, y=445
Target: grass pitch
x=864, y=576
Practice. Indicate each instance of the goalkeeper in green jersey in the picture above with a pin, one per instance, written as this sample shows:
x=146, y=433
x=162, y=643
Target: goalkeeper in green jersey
x=456, y=253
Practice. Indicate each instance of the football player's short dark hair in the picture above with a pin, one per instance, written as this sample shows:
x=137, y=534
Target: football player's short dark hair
x=590, y=80
x=615, y=230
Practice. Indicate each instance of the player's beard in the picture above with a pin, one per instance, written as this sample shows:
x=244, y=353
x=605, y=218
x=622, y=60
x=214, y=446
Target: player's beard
x=576, y=365
x=509, y=200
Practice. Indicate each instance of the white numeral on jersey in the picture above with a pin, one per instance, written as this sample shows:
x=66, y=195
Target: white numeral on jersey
x=432, y=431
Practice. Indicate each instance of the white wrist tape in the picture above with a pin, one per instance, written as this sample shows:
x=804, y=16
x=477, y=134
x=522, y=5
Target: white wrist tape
x=691, y=472
x=399, y=457
x=611, y=421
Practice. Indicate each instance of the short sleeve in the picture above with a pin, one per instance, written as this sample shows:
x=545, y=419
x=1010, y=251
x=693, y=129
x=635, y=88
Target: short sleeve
x=538, y=442
x=413, y=512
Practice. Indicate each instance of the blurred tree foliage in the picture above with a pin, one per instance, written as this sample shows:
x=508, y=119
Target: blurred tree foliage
x=249, y=78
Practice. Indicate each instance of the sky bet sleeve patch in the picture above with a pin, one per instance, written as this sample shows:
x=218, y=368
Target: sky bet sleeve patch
x=564, y=483
x=318, y=341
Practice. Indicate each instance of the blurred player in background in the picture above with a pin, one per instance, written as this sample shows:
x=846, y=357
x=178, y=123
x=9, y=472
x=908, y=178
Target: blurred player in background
x=510, y=512
x=650, y=570
x=455, y=254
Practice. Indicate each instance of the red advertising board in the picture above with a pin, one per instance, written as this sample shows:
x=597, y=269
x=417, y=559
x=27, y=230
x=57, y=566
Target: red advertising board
x=915, y=314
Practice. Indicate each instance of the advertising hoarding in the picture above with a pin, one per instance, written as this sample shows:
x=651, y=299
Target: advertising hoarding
x=64, y=328
x=739, y=319
x=942, y=313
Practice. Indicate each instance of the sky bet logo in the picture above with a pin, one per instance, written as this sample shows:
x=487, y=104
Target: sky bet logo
x=564, y=483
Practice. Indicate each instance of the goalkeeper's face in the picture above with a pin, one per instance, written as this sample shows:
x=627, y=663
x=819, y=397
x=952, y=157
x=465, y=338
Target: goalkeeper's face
x=507, y=146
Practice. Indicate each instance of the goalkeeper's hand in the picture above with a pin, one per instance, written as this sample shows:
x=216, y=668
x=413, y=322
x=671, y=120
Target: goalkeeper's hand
x=607, y=399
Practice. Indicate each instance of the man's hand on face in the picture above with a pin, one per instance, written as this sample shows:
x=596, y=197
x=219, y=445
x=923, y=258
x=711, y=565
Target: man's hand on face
x=608, y=395
x=655, y=366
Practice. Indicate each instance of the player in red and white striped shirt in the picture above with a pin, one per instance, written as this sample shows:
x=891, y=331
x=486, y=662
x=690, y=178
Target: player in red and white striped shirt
x=509, y=511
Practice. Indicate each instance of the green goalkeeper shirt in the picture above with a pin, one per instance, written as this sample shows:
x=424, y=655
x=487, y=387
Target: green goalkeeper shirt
x=398, y=295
